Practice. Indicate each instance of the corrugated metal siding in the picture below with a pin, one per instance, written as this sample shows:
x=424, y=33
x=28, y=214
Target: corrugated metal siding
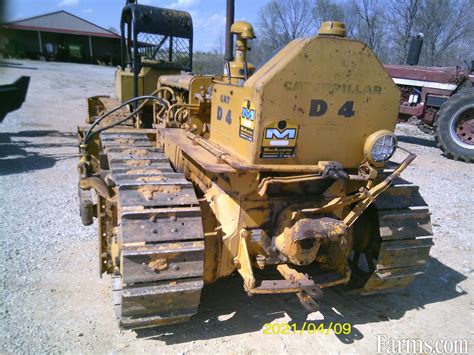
x=61, y=20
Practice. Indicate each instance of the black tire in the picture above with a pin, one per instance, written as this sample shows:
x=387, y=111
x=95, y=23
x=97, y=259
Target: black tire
x=459, y=106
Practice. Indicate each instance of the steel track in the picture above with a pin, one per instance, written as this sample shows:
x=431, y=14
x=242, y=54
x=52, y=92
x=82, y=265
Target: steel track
x=161, y=242
x=158, y=233
x=403, y=240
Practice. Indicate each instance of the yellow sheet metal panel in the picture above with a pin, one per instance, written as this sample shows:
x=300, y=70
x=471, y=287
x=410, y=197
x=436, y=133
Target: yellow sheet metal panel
x=226, y=130
x=147, y=79
x=318, y=99
x=150, y=77
x=124, y=84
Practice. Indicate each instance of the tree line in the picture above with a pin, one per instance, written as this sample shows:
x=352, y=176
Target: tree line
x=386, y=26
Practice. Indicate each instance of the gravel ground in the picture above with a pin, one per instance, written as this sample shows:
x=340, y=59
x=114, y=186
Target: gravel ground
x=52, y=299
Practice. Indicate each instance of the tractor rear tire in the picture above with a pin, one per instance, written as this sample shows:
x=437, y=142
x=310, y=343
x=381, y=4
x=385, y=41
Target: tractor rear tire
x=454, y=126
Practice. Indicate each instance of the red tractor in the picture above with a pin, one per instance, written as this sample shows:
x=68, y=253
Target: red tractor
x=442, y=98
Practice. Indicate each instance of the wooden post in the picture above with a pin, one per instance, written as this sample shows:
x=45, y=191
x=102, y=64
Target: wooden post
x=90, y=47
x=40, y=42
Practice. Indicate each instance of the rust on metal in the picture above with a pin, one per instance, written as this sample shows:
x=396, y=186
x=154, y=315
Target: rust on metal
x=154, y=178
x=229, y=177
x=136, y=151
x=300, y=243
x=322, y=228
x=142, y=171
x=465, y=128
x=158, y=263
x=143, y=162
x=148, y=191
x=97, y=184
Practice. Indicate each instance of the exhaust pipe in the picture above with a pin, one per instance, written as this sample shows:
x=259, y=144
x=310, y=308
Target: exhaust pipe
x=229, y=40
x=415, y=49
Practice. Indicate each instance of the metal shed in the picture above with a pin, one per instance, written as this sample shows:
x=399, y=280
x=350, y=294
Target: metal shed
x=59, y=36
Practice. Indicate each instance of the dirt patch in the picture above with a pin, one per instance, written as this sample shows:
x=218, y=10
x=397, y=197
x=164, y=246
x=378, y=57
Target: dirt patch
x=125, y=141
x=148, y=192
x=141, y=171
x=140, y=152
x=144, y=162
x=151, y=178
x=158, y=263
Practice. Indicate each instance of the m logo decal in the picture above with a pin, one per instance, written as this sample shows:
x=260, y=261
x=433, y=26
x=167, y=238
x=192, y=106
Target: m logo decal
x=275, y=133
x=279, y=139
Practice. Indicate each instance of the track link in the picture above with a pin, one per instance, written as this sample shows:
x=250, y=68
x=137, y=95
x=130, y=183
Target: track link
x=159, y=234
x=404, y=238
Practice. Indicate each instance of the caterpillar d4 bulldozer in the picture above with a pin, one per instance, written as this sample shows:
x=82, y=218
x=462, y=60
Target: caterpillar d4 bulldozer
x=280, y=173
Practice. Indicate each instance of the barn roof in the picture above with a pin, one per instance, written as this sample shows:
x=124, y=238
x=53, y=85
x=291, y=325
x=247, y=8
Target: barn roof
x=60, y=22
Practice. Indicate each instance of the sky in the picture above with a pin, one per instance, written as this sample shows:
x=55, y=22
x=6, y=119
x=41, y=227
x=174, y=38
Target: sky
x=208, y=15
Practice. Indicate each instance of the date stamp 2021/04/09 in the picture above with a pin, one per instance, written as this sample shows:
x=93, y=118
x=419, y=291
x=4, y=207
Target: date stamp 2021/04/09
x=307, y=328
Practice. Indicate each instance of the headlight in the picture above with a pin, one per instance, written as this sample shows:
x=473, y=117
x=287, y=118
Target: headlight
x=380, y=146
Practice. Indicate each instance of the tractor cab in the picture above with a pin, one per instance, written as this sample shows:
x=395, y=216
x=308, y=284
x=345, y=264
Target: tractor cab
x=154, y=42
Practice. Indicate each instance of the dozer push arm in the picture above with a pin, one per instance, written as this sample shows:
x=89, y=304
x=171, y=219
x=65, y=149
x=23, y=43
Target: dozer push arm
x=377, y=190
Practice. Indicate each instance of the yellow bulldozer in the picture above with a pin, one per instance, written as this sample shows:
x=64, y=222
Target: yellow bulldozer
x=282, y=173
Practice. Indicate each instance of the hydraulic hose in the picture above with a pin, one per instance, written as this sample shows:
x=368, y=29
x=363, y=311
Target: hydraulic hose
x=89, y=134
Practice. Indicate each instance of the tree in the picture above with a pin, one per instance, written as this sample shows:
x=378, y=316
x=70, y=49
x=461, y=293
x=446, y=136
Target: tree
x=281, y=21
x=444, y=24
x=402, y=18
x=326, y=10
x=462, y=52
x=208, y=63
x=367, y=22
x=385, y=25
